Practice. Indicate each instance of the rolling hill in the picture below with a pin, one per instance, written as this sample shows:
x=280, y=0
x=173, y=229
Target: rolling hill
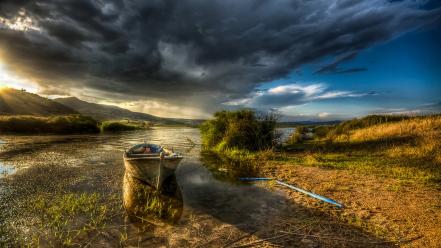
x=17, y=102
x=103, y=112
x=108, y=112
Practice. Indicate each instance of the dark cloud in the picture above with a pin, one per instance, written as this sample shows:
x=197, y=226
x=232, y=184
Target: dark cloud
x=192, y=50
x=334, y=66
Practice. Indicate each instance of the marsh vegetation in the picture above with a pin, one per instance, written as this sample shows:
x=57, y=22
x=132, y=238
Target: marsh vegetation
x=122, y=125
x=65, y=124
x=52, y=124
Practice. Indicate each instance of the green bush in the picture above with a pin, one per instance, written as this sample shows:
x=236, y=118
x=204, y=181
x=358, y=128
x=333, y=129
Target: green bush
x=241, y=129
x=52, y=124
x=321, y=131
x=117, y=126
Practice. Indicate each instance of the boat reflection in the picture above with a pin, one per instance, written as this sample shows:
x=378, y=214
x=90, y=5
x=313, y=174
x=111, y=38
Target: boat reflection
x=146, y=204
x=229, y=170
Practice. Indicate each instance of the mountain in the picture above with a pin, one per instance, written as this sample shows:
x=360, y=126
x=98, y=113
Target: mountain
x=108, y=112
x=103, y=112
x=18, y=102
x=307, y=123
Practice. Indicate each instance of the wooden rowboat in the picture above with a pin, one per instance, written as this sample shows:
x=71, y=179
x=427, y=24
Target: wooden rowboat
x=151, y=163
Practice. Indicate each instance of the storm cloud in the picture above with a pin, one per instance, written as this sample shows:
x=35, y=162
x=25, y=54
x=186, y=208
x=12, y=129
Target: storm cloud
x=188, y=52
x=334, y=66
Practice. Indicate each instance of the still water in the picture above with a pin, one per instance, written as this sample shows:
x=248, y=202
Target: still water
x=197, y=205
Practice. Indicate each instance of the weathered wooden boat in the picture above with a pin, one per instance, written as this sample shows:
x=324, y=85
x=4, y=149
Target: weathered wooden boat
x=151, y=163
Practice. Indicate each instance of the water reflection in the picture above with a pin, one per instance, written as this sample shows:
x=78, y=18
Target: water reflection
x=229, y=170
x=146, y=204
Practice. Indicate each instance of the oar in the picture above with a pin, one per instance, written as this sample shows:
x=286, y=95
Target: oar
x=322, y=198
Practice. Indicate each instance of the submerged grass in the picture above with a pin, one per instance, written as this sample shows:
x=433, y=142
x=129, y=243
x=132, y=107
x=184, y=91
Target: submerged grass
x=42, y=207
x=65, y=217
x=145, y=204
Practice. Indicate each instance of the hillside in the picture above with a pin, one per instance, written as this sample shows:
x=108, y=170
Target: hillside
x=108, y=112
x=103, y=112
x=17, y=102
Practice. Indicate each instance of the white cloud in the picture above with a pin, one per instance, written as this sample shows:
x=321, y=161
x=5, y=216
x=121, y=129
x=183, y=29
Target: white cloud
x=291, y=95
x=163, y=109
x=323, y=114
x=295, y=89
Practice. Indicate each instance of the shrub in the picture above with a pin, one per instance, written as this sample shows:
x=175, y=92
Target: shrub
x=241, y=129
x=116, y=126
x=321, y=131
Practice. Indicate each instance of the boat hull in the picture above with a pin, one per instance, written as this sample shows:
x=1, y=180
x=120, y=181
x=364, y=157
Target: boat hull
x=151, y=170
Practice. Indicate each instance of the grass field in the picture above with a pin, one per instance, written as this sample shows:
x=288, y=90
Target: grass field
x=407, y=149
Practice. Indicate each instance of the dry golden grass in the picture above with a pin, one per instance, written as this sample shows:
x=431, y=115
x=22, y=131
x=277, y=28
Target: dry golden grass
x=413, y=127
x=418, y=138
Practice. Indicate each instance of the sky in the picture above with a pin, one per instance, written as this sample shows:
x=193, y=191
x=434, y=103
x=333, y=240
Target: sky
x=304, y=59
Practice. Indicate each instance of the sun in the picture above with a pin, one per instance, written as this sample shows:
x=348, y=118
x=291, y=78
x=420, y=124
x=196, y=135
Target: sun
x=9, y=80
